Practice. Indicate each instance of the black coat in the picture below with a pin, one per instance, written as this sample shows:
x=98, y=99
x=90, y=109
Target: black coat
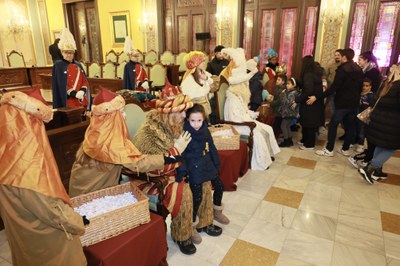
x=256, y=89
x=55, y=52
x=215, y=66
x=375, y=76
x=384, y=128
x=201, y=165
x=347, y=85
x=311, y=115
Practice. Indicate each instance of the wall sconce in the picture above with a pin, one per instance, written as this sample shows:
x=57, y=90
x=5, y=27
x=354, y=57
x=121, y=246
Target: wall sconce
x=222, y=19
x=144, y=24
x=17, y=24
x=333, y=15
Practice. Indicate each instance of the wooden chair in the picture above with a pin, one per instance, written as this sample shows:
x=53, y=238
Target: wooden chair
x=220, y=97
x=157, y=74
x=94, y=70
x=135, y=117
x=123, y=57
x=167, y=58
x=150, y=58
x=120, y=70
x=112, y=56
x=15, y=59
x=109, y=70
x=179, y=61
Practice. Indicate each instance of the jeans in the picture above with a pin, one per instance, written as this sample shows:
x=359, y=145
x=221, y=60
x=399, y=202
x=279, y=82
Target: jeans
x=360, y=132
x=381, y=155
x=348, y=116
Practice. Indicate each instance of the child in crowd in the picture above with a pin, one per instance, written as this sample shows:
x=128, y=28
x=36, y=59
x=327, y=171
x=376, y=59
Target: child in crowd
x=365, y=101
x=289, y=111
x=276, y=103
x=202, y=164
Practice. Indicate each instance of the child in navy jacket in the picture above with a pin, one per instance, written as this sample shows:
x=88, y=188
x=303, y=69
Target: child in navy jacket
x=202, y=163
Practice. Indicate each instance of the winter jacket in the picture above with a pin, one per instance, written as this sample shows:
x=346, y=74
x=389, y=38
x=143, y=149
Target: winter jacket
x=347, y=86
x=201, y=156
x=311, y=115
x=288, y=98
x=365, y=101
x=256, y=89
x=276, y=102
x=216, y=66
x=384, y=128
x=372, y=73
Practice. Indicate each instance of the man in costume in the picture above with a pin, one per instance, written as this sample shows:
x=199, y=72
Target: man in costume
x=155, y=136
x=107, y=148
x=237, y=109
x=135, y=76
x=40, y=224
x=69, y=82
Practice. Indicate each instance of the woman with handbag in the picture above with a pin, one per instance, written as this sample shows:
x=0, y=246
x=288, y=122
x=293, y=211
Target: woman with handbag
x=384, y=128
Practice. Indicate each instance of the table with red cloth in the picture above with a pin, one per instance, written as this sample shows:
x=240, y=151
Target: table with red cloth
x=143, y=245
x=234, y=163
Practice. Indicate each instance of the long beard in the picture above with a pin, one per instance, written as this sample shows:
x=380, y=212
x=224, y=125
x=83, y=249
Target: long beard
x=242, y=90
x=176, y=125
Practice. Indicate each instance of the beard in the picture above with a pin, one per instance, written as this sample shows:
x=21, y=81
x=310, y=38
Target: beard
x=175, y=123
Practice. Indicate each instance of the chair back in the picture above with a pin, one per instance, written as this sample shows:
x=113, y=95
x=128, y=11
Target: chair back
x=120, y=70
x=179, y=61
x=15, y=59
x=94, y=70
x=112, y=56
x=135, y=116
x=150, y=58
x=124, y=57
x=157, y=75
x=109, y=70
x=167, y=58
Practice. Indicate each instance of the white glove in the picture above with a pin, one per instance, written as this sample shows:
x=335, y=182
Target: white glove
x=181, y=143
x=145, y=85
x=254, y=115
x=79, y=95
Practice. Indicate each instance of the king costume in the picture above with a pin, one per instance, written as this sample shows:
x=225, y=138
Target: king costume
x=41, y=226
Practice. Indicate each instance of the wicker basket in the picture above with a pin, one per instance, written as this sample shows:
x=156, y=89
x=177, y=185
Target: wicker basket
x=114, y=222
x=225, y=142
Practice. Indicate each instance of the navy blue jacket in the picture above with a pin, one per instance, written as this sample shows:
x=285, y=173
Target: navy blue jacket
x=130, y=75
x=202, y=165
x=59, y=83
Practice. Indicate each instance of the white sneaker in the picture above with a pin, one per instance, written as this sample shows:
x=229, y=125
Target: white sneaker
x=300, y=143
x=360, y=148
x=324, y=152
x=302, y=147
x=353, y=162
x=363, y=164
x=344, y=152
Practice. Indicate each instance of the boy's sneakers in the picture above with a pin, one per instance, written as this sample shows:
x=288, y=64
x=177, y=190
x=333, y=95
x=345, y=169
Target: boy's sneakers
x=366, y=174
x=344, y=152
x=353, y=162
x=359, y=148
x=300, y=143
x=324, y=152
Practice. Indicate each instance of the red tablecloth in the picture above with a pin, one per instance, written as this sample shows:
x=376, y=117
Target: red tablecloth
x=143, y=245
x=234, y=163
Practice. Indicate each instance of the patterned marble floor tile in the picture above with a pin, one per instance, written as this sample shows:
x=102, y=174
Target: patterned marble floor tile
x=264, y=234
x=275, y=213
x=237, y=223
x=392, y=179
x=245, y=253
x=390, y=222
x=241, y=202
x=344, y=255
x=315, y=224
x=365, y=197
x=330, y=165
x=389, y=205
x=284, y=156
x=392, y=165
x=293, y=182
x=362, y=237
x=307, y=248
x=301, y=162
x=350, y=213
x=389, y=191
x=284, y=197
x=326, y=178
x=318, y=190
x=4, y=263
x=392, y=245
x=325, y=207
x=285, y=260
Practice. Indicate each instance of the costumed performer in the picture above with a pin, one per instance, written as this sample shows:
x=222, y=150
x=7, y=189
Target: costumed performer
x=196, y=82
x=236, y=109
x=156, y=136
x=107, y=148
x=135, y=76
x=41, y=226
x=69, y=83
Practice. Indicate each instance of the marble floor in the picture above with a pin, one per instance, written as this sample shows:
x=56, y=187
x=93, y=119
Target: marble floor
x=304, y=210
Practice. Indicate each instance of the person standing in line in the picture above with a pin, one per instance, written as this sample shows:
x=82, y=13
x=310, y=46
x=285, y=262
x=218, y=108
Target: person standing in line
x=41, y=225
x=347, y=87
x=289, y=111
x=331, y=72
x=135, y=76
x=69, y=83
